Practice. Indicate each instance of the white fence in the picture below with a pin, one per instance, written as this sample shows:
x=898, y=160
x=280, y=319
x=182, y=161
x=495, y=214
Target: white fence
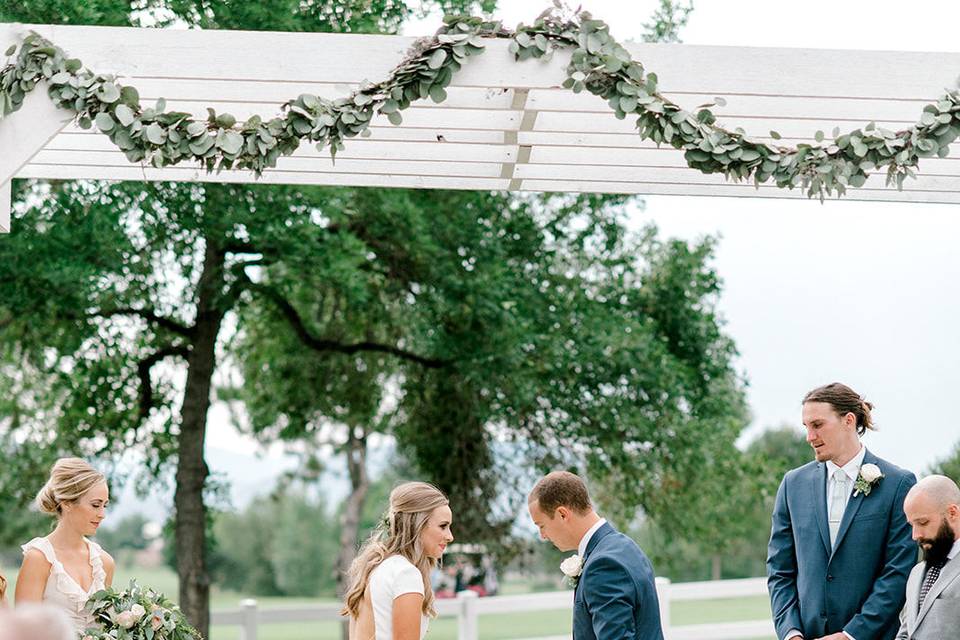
x=467, y=608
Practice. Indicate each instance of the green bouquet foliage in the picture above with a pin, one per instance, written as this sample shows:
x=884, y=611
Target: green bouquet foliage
x=136, y=613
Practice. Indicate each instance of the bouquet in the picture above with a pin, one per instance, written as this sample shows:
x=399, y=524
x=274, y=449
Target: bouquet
x=136, y=614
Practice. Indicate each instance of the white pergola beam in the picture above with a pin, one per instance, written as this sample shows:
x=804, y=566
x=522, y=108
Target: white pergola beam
x=504, y=125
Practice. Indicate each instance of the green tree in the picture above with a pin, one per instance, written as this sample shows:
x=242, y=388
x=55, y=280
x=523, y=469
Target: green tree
x=739, y=514
x=950, y=465
x=125, y=534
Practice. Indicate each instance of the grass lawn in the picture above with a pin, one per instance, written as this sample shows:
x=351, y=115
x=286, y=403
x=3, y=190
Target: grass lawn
x=492, y=627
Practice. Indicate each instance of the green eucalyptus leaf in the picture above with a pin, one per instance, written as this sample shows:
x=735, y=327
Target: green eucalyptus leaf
x=108, y=93
x=437, y=59
x=104, y=122
x=155, y=133
x=124, y=114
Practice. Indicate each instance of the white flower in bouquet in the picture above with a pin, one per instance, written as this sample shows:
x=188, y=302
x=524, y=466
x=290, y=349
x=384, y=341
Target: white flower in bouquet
x=125, y=619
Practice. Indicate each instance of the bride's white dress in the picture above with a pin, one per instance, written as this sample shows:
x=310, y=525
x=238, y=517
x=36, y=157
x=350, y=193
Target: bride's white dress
x=394, y=577
x=62, y=591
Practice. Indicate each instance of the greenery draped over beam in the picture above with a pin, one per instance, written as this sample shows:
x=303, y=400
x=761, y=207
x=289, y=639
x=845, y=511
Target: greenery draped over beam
x=599, y=64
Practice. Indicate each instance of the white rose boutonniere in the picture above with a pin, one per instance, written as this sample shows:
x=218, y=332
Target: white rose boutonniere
x=870, y=475
x=572, y=567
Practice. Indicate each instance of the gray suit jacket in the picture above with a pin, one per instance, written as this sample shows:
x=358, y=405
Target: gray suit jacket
x=940, y=616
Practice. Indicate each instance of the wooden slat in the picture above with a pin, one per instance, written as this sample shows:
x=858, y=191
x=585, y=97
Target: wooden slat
x=731, y=190
x=350, y=58
x=298, y=164
x=358, y=148
x=135, y=172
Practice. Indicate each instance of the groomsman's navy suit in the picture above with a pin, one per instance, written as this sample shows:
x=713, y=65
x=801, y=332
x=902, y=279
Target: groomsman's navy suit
x=859, y=586
x=616, y=596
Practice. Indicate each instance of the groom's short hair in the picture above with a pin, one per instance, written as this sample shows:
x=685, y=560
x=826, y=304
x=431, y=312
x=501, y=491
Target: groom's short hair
x=561, y=489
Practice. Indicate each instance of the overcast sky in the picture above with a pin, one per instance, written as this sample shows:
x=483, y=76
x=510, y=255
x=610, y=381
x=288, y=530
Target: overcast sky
x=863, y=293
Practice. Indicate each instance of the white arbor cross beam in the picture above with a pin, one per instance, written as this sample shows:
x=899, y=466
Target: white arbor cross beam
x=504, y=125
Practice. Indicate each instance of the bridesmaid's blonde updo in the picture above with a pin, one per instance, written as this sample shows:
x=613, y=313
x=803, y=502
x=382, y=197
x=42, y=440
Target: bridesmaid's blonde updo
x=70, y=478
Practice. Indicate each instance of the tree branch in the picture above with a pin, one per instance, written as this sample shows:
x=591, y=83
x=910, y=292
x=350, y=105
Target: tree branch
x=143, y=372
x=320, y=344
x=149, y=315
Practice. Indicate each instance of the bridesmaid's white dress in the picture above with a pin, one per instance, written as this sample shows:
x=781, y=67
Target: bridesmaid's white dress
x=62, y=591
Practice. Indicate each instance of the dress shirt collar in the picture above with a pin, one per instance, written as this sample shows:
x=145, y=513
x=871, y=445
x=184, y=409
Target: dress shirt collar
x=585, y=540
x=852, y=468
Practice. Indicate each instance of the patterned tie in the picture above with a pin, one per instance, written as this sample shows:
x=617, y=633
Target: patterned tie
x=933, y=572
x=838, y=502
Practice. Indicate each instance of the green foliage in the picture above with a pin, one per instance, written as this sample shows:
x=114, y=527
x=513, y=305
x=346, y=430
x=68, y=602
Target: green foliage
x=136, y=612
x=738, y=513
x=667, y=21
x=950, y=465
x=279, y=545
x=125, y=534
x=599, y=64
x=91, y=12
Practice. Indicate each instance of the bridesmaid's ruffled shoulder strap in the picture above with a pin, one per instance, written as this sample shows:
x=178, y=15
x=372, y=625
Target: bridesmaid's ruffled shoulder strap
x=43, y=546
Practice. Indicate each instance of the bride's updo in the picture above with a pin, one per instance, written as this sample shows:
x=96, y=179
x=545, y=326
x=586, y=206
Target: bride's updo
x=398, y=533
x=70, y=478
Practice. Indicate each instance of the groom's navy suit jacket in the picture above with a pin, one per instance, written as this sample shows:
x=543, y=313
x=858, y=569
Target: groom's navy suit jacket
x=616, y=596
x=860, y=585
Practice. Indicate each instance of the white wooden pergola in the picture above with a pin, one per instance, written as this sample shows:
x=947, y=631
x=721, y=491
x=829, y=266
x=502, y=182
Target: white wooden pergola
x=505, y=125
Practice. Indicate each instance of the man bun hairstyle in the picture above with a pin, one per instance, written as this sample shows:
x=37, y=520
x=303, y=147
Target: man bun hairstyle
x=561, y=489
x=70, y=478
x=844, y=400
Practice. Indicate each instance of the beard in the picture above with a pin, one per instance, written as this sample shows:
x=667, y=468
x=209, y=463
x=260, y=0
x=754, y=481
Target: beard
x=940, y=545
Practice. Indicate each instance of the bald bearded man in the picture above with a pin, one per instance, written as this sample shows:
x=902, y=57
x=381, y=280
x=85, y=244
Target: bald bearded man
x=932, y=611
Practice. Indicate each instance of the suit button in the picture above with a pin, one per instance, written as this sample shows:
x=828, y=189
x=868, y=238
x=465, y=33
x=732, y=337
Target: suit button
x=829, y=578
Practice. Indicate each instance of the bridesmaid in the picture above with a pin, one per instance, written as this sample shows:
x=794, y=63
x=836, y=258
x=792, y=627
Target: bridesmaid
x=64, y=568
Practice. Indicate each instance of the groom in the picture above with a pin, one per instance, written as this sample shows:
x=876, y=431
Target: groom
x=615, y=597
x=840, y=546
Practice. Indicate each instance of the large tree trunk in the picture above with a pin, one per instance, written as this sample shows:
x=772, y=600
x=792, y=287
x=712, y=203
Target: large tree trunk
x=350, y=521
x=192, y=468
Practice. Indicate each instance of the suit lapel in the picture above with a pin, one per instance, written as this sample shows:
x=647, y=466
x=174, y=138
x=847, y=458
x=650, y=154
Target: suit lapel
x=948, y=574
x=605, y=529
x=818, y=495
x=853, y=506
x=913, y=595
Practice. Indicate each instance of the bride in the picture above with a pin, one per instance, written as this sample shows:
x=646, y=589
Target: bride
x=389, y=595
x=64, y=568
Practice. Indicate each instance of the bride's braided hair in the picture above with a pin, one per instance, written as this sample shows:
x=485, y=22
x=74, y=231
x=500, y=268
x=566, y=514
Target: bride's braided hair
x=398, y=533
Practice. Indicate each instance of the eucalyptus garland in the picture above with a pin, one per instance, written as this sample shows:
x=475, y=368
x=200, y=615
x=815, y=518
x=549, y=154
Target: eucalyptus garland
x=599, y=64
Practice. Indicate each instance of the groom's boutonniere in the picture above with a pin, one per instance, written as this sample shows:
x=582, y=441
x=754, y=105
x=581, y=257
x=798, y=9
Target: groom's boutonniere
x=572, y=567
x=870, y=475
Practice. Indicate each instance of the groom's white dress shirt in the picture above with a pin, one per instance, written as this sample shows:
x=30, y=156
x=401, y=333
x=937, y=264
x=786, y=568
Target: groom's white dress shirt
x=585, y=540
x=852, y=471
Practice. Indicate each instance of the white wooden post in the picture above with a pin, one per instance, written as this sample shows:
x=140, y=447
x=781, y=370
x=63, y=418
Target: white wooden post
x=663, y=595
x=248, y=629
x=467, y=627
x=5, y=205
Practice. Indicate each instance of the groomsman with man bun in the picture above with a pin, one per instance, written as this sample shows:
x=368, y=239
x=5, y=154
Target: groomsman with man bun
x=840, y=548
x=932, y=611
